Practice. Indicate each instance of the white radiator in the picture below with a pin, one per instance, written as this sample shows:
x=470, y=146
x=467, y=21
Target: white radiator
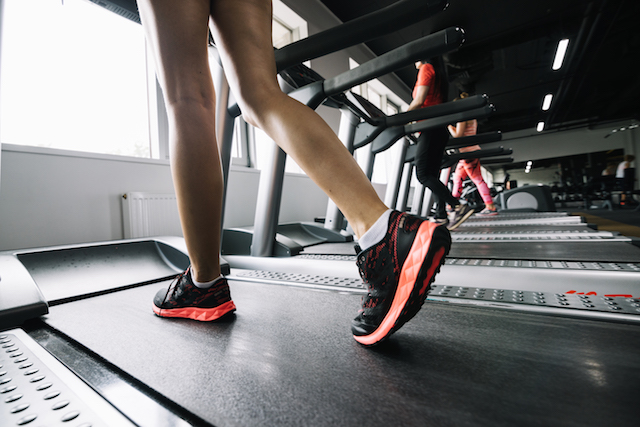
x=150, y=214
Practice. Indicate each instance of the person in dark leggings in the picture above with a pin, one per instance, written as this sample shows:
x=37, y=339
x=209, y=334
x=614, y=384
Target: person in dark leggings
x=399, y=254
x=428, y=91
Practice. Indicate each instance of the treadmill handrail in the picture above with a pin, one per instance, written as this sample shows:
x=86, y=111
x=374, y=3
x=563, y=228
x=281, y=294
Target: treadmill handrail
x=389, y=136
x=359, y=30
x=429, y=46
x=368, y=131
x=479, y=154
x=498, y=161
x=435, y=44
x=482, y=138
x=462, y=116
x=432, y=111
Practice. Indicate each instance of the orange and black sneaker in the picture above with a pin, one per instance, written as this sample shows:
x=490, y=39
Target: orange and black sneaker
x=398, y=272
x=184, y=299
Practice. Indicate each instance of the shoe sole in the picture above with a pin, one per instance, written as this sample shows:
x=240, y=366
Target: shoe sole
x=196, y=313
x=463, y=219
x=420, y=268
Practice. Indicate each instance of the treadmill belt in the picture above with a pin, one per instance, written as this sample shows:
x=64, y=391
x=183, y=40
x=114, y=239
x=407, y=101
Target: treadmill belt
x=541, y=250
x=548, y=251
x=287, y=358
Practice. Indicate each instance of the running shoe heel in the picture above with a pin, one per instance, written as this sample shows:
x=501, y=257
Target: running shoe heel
x=398, y=272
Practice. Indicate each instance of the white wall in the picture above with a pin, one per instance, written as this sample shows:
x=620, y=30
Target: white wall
x=49, y=197
x=535, y=146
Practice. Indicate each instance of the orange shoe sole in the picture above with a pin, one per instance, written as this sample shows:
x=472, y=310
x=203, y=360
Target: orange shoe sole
x=196, y=313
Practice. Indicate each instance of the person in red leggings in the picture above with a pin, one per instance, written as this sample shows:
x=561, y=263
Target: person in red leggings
x=470, y=168
x=429, y=90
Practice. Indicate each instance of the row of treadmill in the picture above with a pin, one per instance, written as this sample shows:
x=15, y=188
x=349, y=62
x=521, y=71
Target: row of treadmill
x=532, y=321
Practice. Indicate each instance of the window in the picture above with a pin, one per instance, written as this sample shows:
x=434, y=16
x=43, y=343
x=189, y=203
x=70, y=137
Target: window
x=380, y=96
x=74, y=77
x=287, y=28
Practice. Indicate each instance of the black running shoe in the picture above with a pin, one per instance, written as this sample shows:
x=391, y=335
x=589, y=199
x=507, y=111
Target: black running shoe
x=460, y=215
x=184, y=299
x=398, y=272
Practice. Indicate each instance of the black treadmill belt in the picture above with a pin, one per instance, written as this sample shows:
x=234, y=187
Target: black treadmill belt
x=287, y=358
x=524, y=228
x=548, y=251
x=524, y=250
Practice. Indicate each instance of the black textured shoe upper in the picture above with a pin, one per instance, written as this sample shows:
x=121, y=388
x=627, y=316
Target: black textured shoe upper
x=380, y=267
x=183, y=293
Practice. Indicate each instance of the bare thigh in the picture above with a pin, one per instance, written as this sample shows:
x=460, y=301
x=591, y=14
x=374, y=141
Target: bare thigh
x=177, y=32
x=242, y=33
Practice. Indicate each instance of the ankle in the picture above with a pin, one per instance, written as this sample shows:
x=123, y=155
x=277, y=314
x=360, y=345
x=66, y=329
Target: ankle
x=376, y=231
x=365, y=224
x=205, y=275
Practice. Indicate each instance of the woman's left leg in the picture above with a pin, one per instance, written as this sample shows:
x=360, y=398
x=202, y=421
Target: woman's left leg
x=474, y=171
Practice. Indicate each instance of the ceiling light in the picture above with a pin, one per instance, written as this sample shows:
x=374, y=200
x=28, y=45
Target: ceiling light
x=547, y=102
x=560, y=52
x=540, y=127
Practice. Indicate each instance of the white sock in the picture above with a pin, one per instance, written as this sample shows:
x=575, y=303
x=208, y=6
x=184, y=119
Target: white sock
x=377, y=231
x=204, y=285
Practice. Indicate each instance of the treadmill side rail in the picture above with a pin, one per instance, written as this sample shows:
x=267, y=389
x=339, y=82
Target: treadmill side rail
x=20, y=297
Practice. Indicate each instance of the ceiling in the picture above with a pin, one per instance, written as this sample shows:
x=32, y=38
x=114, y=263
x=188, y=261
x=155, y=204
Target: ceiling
x=509, y=49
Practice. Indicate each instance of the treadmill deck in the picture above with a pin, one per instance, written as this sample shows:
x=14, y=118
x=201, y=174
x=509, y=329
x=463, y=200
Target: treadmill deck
x=287, y=358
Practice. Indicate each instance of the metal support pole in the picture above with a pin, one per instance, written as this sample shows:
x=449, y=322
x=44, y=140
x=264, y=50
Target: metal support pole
x=393, y=185
x=268, y=203
x=405, y=187
x=334, y=220
x=418, y=200
x=1, y=31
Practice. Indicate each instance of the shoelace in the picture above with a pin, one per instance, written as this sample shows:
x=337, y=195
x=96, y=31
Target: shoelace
x=173, y=286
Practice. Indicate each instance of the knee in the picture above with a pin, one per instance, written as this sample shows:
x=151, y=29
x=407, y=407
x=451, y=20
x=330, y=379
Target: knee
x=256, y=104
x=191, y=105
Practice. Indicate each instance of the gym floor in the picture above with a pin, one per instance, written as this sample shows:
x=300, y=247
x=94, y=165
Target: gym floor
x=626, y=221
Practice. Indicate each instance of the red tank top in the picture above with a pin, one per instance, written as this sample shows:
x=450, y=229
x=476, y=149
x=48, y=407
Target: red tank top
x=427, y=77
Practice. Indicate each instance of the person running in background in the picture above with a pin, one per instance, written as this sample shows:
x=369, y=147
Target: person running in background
x=399, y=254
x=610, y=170
x=428, y=91
x=470, y=168
x=626, y=183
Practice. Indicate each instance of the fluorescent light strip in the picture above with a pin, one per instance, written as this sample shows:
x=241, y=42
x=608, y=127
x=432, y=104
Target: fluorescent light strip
x=560, y=53
x=547, y=102
x=540, y=127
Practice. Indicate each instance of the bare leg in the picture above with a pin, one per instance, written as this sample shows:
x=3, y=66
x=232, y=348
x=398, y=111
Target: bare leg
x=177, y=33
x=242, y=31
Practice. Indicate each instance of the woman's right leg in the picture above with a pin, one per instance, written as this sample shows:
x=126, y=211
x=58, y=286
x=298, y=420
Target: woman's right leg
x=242, y=32
x=458, y=177
x=401, y=262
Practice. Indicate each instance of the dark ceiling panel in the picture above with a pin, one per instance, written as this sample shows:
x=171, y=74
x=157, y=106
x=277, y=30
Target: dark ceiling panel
x=509, y=49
